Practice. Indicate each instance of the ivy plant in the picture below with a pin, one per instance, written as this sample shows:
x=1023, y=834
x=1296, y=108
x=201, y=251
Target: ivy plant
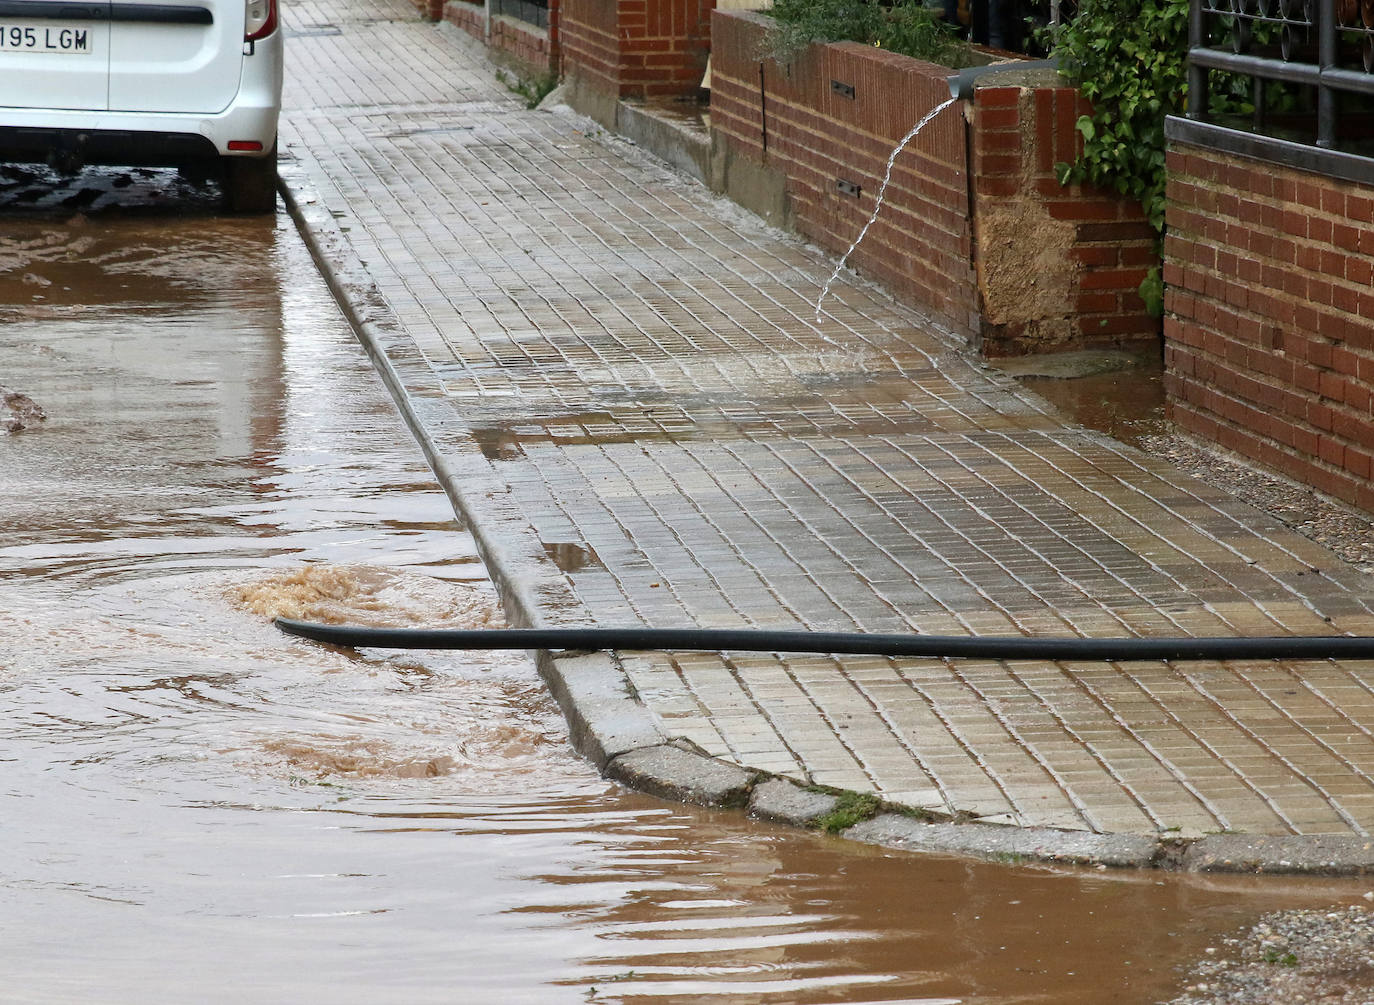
x=1128, y=58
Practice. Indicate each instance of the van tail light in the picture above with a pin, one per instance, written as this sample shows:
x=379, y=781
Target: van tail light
x=259, y=19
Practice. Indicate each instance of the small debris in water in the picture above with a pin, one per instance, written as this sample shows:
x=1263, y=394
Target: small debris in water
x=24, y=411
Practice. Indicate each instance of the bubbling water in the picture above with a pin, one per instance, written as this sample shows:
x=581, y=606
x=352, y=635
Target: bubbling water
x=367, y=595
x=322, y=756
x=479, y=730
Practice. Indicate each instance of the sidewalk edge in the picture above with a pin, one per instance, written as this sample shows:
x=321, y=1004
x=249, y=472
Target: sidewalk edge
x=592, y=690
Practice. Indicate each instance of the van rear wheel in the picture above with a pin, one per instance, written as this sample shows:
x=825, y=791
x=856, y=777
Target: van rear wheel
x=250, y=183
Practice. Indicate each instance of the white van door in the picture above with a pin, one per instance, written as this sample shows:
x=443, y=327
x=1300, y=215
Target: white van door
x=175, y=55
x=54, y=53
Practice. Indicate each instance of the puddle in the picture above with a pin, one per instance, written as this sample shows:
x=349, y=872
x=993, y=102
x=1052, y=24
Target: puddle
x=1117, y=393
x=569, y=557
x=498, y=444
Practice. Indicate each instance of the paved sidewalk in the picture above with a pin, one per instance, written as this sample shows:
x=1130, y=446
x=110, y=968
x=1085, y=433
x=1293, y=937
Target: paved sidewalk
x=620, y=380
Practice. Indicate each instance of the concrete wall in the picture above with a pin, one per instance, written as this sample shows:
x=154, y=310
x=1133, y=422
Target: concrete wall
x=1269, y=328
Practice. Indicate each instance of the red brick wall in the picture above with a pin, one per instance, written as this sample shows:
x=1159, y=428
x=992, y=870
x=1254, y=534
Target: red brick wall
x=921, y=245
x=534, y=48
x=1269, y=327
x=531, y=46
x=1019, y=264
x=468, y=16
x=589, y=32
x=430, y=10
x=1057, y=266
x=637, y=48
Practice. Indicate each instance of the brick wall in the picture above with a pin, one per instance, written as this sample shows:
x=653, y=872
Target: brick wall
x=1013, y=260
x=468, y=16
x=532, y=49
x=636, y=48
x=1269, y=327
x=590, y=36
x=1057, y=266
x=792, y=120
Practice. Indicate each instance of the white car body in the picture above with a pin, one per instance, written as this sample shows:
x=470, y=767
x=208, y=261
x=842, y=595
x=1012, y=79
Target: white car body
x=122, y=82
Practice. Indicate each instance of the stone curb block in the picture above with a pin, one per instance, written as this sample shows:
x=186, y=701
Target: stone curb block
x=673, y=773
x=604, y=722
x=687, y=153
x=1314, y=854
x=783, y=802
x=1009, y=843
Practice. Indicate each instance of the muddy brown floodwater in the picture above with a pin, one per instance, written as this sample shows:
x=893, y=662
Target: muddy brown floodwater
x=194, y=807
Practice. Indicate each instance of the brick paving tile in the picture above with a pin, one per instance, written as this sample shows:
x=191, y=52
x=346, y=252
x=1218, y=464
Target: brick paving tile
x=640, y=367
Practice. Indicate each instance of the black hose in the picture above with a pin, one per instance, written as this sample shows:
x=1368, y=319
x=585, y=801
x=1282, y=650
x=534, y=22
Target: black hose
x=1305, y=647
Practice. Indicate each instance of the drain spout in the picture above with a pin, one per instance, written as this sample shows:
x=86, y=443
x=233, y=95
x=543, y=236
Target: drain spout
x=961, y=84
x=1305, y=647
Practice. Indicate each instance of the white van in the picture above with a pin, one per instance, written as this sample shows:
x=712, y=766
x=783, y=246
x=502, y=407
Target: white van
x=174, y=83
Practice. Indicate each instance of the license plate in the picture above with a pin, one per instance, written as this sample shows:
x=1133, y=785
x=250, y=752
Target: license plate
x=43, y=38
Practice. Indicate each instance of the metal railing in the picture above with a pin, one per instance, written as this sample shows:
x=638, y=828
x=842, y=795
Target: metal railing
x=1327, y=45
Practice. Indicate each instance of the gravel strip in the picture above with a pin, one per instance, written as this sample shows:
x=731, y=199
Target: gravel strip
x=1292, y=956
x=1346, y=531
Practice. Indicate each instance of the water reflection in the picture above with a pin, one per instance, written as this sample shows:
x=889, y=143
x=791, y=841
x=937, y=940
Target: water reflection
x=194, y=806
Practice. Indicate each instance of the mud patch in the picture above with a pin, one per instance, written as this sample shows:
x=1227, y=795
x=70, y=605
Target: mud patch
x=322, y=757
x=1026, y=276
x=370, y=596
x=481, y=744
x=20, y=411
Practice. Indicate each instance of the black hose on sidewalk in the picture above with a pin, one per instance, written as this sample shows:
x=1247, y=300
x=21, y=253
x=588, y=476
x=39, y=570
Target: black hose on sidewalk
x=1307, y=647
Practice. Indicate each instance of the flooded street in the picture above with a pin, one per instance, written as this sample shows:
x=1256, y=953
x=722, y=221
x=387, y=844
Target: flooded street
x=194, y=806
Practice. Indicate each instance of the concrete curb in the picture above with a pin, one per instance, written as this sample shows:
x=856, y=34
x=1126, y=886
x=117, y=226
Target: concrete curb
x=672, y=772
x=783, y=802
x=1315, y=854
x=686, y=152
x=1011, y=844
x=592, y=690
x=617, y=733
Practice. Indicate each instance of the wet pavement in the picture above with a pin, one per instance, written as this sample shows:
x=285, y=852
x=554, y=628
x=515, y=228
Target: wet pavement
x=195, y=807
x=607, y=363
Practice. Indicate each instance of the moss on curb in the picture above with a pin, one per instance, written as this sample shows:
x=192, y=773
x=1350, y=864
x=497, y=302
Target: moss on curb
x=852, y=808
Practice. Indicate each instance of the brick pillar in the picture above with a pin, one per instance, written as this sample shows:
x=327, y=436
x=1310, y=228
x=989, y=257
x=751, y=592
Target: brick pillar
x=616, y=49
x=1058, y=267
